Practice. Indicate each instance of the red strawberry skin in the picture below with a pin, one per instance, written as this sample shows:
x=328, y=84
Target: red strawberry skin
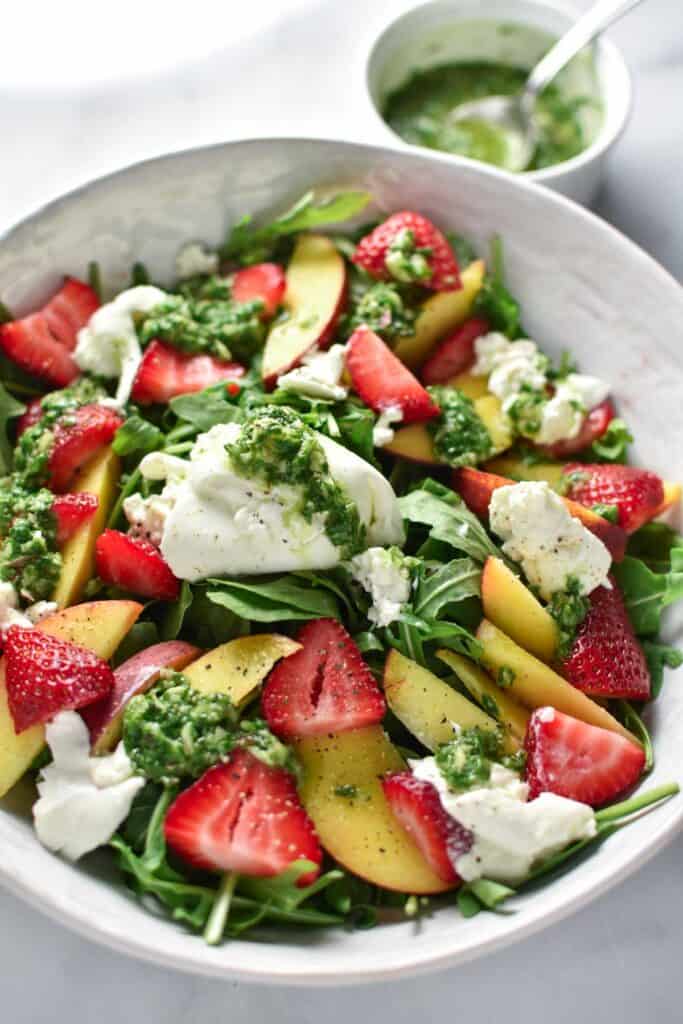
x=77, y=438
x=637, y=493
x=606, y=659
x=371, y=251
x=243, y=816
x=594, y=426
x=71, y=511
x=165, y=373
x=382, y=380
x=439, y=837
x=33, y=414
x=134, y=565
x=324, y=687
x=46, y=675
x=69, y=310
x=455, y=354
x=265, y=281
x=578, y=761
x=31, y=345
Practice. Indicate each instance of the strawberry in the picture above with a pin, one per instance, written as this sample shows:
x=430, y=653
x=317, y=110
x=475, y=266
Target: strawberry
x=31, y=345
x=165, y=372
x=45, y=675
x=78, y=436
x=439, y=837
x=455, y=353
x=606, y=659
x=135, y=565
x=637, y=493
x=265, y=281
x=324, y=687
x=594, y=426
x=243, y=816
x=33, y=414
x=69, y=310
x=382, y=380
x=577, y=760
x=442, y=268
x=71, y=511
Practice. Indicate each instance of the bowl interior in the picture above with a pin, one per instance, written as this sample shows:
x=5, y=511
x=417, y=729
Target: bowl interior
x=512, y=32
x=583, y=287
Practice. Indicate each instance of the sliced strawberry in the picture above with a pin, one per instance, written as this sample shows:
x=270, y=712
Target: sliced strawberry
x=33, y=414
x=637, y=493
x=72, y=510
x=455, y=353
x=134, y=565
x=243, y=816
x=69, y=310
x=265, y=281
x=382, y=380
x=606, y=659
x=31, y=345
x=45, y=675
x=165, y=372
x=577, y=760
x=372, y=251
x=440, y=838
x=324, y=687
x=594, y=426
x=77, y=438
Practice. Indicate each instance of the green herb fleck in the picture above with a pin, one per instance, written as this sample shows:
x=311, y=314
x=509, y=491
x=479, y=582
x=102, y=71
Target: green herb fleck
x=506, y=677
x=569, y=608
x=347, y=790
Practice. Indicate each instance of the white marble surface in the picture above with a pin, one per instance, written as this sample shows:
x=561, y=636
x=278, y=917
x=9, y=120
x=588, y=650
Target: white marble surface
x=293, y=72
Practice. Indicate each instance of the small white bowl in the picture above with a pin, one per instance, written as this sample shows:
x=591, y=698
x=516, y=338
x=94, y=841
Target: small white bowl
x=582, y=286
x=446, y=31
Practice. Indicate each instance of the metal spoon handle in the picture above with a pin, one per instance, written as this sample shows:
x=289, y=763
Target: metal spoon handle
x=593, y=22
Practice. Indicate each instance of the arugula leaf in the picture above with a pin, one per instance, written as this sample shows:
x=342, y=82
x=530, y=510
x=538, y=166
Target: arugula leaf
x=210, y=624
x=464, y=250
x=10, y=408
x=95, y=278
x=253, y=244
x=175, y=614
x=634, y=722
x=659, y=657
x=647, y=593
x=6, y=316
x=283, y=890
x=139, y=636
x=482, y=894
x=204, y=409
x=448, y=584
x=137, y=435
x=273, y=600
x=612, y=446
x=449, y=519
x=494, y=302
x=653, y=544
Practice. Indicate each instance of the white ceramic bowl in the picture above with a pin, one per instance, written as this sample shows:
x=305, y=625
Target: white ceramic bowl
x=445, y=31
x=582, y=285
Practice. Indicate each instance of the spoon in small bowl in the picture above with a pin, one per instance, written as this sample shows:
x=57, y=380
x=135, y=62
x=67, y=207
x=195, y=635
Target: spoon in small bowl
x=515, y=115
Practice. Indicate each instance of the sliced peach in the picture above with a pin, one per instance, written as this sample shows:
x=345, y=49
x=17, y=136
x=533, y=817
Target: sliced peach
x=513, y=716
x=238, y=667
x=516, y=469
x=440, y=314
x=415, y=443
x=473, y=387
x=512, y=607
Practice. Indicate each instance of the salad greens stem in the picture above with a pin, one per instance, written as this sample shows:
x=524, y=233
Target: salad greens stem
x=215, y=926
x=637, y=803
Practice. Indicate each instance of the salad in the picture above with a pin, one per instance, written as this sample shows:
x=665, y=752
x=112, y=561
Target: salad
x=326, y=596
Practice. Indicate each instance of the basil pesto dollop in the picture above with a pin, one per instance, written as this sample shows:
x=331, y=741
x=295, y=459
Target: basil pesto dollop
x=459, y=435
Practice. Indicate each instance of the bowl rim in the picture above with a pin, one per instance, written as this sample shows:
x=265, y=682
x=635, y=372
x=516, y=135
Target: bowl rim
x=78, y=918
x=608, y=55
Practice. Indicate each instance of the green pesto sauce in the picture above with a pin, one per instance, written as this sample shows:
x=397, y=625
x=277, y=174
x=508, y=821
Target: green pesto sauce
x=382, y=306
x=465, y=762
x=569, y=608
x=276, y=446
x=459, y=436
x=419, y=112
x=29, y=558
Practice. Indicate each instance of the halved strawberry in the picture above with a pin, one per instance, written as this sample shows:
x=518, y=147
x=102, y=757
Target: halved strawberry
x=165, y=372
x=606, y=659
x=382, y=380
x=440, y=838
x=135, y=565
x=69, y=310
x=577, y=760
x=372, y=251
x=594, y=426
x=71, y=511
x=265, y=281
x=45, y=675
x=637, y=493
x=455, y=353
x=31, y=345
x=77, y=438
x=324, y=687
x=243, y=816
x=33, y=414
